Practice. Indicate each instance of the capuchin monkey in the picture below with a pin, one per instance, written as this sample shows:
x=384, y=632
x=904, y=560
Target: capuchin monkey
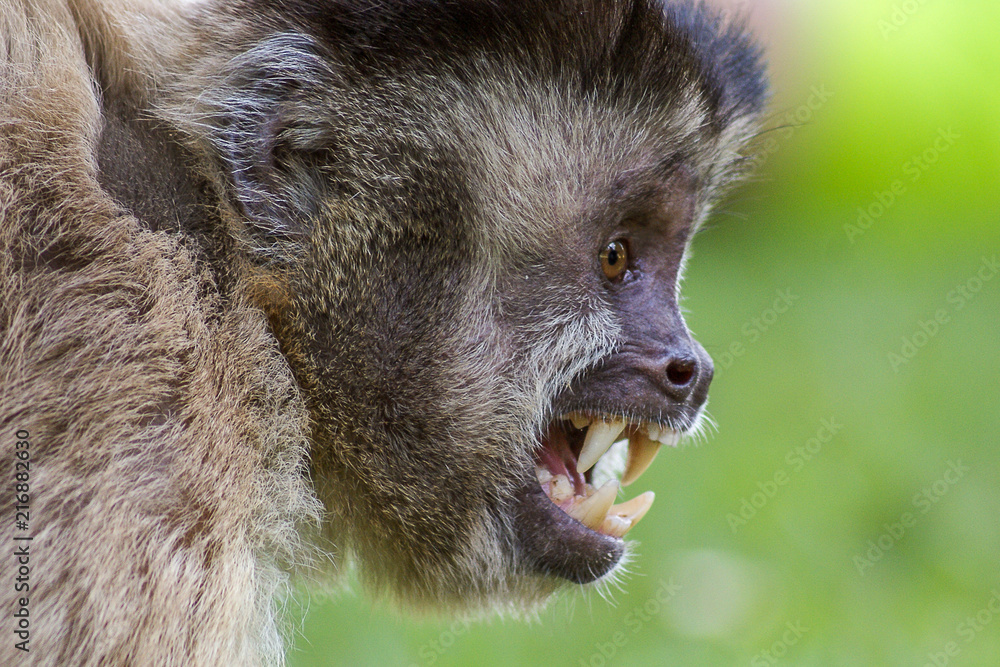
x=289, y=284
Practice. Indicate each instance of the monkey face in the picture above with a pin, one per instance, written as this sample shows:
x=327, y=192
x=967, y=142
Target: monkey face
x=489, y=225
x=647, y=391
x=476, y=362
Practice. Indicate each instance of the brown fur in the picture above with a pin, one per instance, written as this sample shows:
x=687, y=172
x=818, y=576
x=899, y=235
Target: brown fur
x=167, y=433
x=253, y=291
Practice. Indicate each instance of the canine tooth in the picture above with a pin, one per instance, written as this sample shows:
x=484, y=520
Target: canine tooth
x=641, y=452
x=579, y=421
x=560, y=489
x=633, y=510
x=591, y=511
x=600, y=436
x=615, y=526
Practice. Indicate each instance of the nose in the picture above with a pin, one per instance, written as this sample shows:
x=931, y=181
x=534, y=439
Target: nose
x=685, y=372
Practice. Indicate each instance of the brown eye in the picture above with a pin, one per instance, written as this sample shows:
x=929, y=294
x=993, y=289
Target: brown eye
x=614, y=260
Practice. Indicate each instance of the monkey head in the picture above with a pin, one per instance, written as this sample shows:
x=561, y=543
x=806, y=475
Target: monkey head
x=478, y=213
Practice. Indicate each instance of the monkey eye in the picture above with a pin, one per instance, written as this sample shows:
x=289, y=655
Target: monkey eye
x=614, y=260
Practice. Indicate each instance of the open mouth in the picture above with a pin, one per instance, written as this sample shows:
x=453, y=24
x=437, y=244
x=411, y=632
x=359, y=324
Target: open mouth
x=570, y=526
x=565, y=466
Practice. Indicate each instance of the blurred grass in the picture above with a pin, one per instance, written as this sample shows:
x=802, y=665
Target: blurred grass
x=788, y=581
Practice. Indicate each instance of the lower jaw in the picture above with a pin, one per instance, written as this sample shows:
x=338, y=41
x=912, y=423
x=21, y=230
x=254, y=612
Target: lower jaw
x=555, y=544
x=567, y=528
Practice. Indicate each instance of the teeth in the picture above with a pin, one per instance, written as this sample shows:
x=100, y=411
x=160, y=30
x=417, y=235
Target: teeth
x=615, y=526
x=592, y=511
x=595, y=508
x=600, y=436
x=623, y=517
x=668, y=437
x=634, y=509
x=561, y=489
x=641, y=452
x=654, y=431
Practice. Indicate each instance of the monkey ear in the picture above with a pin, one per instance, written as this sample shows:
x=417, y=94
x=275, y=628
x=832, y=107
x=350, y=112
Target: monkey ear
x=261, y=134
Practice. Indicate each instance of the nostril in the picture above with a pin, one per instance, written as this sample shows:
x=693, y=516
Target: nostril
x=680, y=372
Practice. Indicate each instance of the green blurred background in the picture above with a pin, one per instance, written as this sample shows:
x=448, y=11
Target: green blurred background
x=846, y=511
